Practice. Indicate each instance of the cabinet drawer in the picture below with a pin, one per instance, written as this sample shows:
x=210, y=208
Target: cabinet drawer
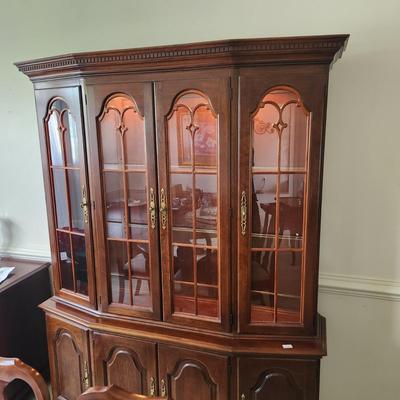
x=269, y=378
x=126, y=362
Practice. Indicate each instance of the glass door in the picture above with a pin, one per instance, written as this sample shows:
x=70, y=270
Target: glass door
x=275, y=277
x=127, y=226
x=192, y=131
x=68, y=198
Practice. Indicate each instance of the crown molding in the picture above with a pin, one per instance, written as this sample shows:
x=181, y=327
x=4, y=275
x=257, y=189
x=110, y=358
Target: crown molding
x=224, y=53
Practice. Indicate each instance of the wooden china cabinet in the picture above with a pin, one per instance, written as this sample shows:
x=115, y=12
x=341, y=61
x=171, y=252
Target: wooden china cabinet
x=183, y=188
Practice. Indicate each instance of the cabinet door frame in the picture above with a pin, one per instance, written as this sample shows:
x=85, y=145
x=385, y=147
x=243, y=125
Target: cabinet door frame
x=217, y=89
x=173, y=360
x=79, y=336
x=108, y=346
x=72, y=95
x=311, y=82
x=97, y=94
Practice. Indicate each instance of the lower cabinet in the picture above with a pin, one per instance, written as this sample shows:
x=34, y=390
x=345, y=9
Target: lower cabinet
x=69, y=359
x=187, y=374
x=126, y=362
x=283, y=379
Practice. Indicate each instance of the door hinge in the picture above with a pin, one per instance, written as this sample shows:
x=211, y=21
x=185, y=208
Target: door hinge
x=230, y=320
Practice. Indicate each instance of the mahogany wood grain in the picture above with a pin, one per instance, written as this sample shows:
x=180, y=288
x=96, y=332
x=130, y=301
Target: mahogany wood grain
x=113, y=393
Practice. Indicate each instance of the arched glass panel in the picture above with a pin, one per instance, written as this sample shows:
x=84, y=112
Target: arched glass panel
x=193, y=176
x=280, y=136
x=65, y=166
x=123, y=155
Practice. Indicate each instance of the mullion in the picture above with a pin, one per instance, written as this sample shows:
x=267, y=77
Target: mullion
x=67, y=192
x=126, y=212
x=194, y=255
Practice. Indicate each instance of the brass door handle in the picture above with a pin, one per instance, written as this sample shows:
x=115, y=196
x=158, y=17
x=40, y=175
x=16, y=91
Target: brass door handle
x=243, y=213
x=85, y=206
x=152, y=209
x=163, y=209
x=152, y=387
x=86, y=376
x=163, y=388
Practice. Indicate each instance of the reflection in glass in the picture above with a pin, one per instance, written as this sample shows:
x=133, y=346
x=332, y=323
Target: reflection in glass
x=137, y=198
x=114, y=198
x=75, y=200
x=71, y=140
x=207, y=266
x=280, y=135
x=134, y=139
x=79, y=249
x=60, y=193
x=207, y=303
x=263, y=210
x=184, y=301
x=64, y=254
x=119, y=279
x=55, y=139
x=206, y=205
x=183, y=263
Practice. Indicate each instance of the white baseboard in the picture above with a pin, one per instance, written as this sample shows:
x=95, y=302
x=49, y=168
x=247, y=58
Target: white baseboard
x=359, y=286
x=27, y=254
x=347, y=285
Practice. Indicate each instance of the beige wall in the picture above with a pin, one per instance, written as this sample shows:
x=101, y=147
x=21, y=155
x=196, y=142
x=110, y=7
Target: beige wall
x=360, y=247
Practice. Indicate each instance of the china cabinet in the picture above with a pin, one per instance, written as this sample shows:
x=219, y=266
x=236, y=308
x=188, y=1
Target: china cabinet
x=183, y=188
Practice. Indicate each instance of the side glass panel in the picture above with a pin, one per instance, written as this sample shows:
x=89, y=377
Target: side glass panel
x=280, y=136
x=125, y=192
x=194, y=197
x=65, y=168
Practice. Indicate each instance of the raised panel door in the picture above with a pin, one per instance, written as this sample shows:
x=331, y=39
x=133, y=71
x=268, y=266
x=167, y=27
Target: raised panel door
x=194, y=183
x=69, y=359
x=281, y=137
x=128, y=363
x=283, y=379
x=63, y=150
x=122, y=160
x=187, y=374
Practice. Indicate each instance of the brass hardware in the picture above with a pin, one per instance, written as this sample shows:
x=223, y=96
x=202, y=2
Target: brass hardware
x=152, y=209
x=152, y=387
x=243, y=212
x=86, y=376
x=85, y=206
x=163, y=388
x=163, y=209
x=242, y=397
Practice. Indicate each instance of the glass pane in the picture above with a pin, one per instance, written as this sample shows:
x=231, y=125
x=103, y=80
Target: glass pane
x=184, y=301
x=75, y=198
x=263, y=210
x=137, y=198
x=205, y=137
x=181, y=207
x=265, y=137
x=78, y=245
x=111, y=138
x=289, y=286
x=207, y=301
x=139, y=232
x=140, y=270
x=134, y=137
x=55, y=140
x=206, y=201
x=180, y=139
x=71, y=140
x=60, y=194
x=183, y=263
x=207, y=266
x=262, y=285
x=114, y=197
x=64, y=248
x=294, y=137
x=291, y=210
x=119, y=278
